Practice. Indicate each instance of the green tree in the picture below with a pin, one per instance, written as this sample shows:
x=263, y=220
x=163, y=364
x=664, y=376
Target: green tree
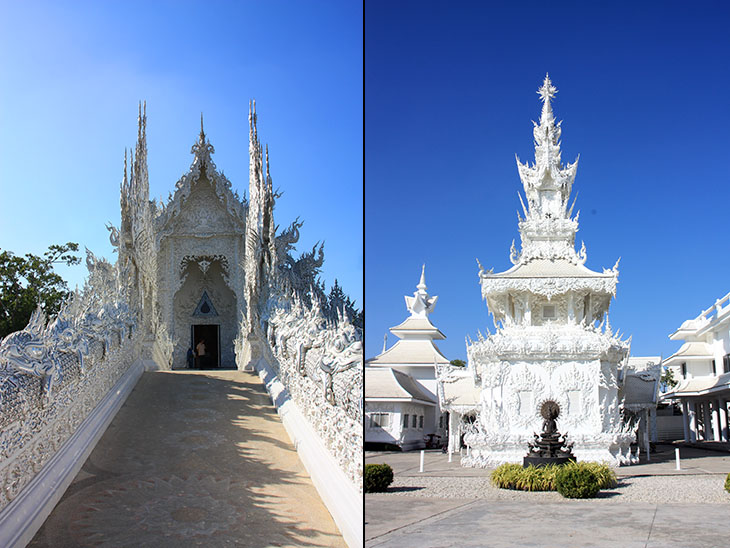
x=458, y=363
x=29, y=280
x=667, y=380
x=338, y=299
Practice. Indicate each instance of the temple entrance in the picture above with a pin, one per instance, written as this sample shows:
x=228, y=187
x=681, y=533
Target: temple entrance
x=210, y=334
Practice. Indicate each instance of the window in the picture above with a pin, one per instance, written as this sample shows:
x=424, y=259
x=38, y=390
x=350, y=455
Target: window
x=405, y=420
x=415, y=420
x=420, y=422
x=726, y=363
x=441, y=421
x=684, y=370
x=714, y=368
x=548, y=312
x=379, y=420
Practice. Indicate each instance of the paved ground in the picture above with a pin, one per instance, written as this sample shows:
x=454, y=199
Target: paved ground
x=403, y=518
x=196, y=458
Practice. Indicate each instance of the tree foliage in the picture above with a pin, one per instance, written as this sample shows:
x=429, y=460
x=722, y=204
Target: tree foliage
x=667, y=380
x=30, y=280
x=458, y=363
x=338, y=300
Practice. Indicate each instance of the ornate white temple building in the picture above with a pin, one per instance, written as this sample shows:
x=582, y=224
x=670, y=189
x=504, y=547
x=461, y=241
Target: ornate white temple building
x=200, y=266
x=553, y=340
x=401, y=406
x=205, y=266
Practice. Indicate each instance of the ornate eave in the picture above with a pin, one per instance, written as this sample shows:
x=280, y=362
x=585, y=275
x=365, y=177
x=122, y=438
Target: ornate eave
x=202, y=164
x=549, y=343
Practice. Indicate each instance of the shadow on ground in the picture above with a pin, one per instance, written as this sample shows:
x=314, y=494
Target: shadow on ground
x=192, y=459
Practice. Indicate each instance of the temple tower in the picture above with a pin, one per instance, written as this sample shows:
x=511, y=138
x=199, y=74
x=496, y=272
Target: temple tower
x=553, y=340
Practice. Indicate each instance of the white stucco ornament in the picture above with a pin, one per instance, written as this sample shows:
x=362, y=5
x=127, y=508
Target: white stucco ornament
x=553, y=340
x=208, y=260
x=421, y=304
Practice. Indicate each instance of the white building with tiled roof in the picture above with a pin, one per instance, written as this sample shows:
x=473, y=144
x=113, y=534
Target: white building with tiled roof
x=702, y=367
x=401, y=405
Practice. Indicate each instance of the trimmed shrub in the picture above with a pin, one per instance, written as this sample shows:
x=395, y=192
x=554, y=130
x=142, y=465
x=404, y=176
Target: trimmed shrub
x=505, y=476
x=514, y=476
x=377, y=477
x=727, y=483
x=577, y=482
x=605, y=474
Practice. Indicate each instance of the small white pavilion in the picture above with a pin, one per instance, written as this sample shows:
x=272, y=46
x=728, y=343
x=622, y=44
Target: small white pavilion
x=702, y=367
x=400, y=383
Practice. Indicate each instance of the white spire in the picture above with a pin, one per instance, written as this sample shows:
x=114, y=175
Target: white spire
x=421, y=305
x=548, y=229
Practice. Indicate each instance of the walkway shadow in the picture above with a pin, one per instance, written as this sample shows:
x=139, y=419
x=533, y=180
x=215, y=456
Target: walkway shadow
x=192, y=458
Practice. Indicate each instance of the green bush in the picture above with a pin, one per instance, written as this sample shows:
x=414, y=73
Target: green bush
x=605, y=474
x=377, y=477
x=506, y=475
x=727, y=483
x=514, y=476
x=577, y=482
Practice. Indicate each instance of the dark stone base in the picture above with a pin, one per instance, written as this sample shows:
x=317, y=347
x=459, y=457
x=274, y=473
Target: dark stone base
x=539, y=462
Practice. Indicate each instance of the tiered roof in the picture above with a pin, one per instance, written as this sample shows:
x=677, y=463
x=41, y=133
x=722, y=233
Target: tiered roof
x=416, y=346
x=548, y=228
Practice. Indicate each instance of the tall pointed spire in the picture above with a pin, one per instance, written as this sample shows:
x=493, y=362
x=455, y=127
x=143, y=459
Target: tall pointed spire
x=547, y=92
x=202, y=131
x=422, y=283
x=421, y=304
x=547, y=185
x=125, y=182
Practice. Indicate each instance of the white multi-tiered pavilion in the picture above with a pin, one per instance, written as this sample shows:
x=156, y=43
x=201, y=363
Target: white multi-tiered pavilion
x=553, y=338
x=401, y=406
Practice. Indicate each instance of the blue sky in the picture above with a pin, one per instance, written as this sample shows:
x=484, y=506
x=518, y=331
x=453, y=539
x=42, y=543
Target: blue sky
x=73, y=73
x=449, y=99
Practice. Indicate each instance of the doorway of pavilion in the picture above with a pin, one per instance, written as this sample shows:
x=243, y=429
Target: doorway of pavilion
x=210, y=334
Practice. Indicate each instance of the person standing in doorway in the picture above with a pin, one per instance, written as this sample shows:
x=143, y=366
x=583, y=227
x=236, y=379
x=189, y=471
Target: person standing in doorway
x=202, y=358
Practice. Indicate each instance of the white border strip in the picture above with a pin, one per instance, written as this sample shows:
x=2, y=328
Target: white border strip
x=22, y=518
x=340, y=496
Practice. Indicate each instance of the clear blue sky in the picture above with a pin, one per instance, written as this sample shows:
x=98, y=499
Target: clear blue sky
x=449, y=98
x=73, y=72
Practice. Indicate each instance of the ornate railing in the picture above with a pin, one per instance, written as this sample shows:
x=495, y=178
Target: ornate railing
x=320, y=362
x=53, y=374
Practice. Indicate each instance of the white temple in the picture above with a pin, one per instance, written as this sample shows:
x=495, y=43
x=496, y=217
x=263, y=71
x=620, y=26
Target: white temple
x=205, y=264
x=401, y=405
x=553, y=339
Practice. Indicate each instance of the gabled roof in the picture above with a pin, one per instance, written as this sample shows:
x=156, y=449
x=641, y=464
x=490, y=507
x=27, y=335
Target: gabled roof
x=202, y=165
x=386, y=384
x=410, y=352
x=459, y=393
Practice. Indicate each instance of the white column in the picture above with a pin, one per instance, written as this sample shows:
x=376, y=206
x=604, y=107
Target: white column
x=723, y=419
x=653, y=433
x=453, y=431
x=646, y=434
x=692, y=421
x=716, y=420
x=706, y=421
x=685, y=420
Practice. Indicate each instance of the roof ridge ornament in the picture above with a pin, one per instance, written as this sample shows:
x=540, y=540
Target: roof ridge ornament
x=421, y=304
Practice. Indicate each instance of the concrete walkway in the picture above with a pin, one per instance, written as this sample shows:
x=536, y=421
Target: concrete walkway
x=193, y=458
x=393, y=520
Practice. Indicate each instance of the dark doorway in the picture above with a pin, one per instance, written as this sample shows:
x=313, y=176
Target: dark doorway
x=211, y=335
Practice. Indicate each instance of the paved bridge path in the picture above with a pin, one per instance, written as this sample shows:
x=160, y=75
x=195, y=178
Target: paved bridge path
x=193, y=458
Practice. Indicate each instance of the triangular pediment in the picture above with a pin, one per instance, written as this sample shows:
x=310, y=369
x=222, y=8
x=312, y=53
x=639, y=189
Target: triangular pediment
x=202, y=170
x=205, y=307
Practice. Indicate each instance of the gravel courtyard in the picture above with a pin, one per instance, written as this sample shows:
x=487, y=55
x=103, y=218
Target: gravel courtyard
x=431, y=508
